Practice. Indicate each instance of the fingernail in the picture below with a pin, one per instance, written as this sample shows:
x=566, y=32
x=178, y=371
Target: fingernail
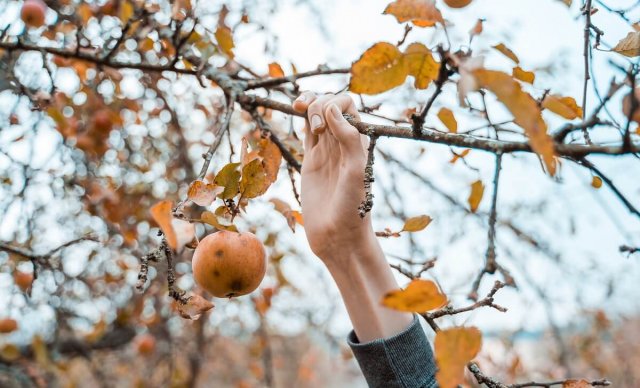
x=316, y=122
x=335, y=112
x=302, y=98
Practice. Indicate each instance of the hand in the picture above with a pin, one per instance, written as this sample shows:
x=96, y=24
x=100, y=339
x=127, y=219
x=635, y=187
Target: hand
x=335, y=155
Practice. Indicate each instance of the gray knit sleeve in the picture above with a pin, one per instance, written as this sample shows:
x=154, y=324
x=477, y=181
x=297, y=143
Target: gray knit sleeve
x=404, y=360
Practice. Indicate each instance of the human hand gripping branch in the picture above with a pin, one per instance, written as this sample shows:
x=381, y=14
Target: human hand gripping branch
x=332, y=189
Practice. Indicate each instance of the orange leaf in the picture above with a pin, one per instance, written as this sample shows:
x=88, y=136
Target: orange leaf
x=419, y=296
x=477, y=28
x=416, y=224
x=194, y=308
x=213, y=220
x=421, y=65
x=454, y=348
x=161, y=213
x=596, y=182
x=524, y=109
x=422, y=13
x=275, y=70
x=271, y=158
x=461, y=155
x=477, y=190
x=523, y=75
x=283, y=208
x=563, y=106
x=225, y=40
x=448, y=119
x=506, y=51
x=380, y=68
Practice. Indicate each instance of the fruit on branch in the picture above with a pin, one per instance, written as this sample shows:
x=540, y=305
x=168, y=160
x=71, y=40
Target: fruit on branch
x=145, y=344
x=8, y=325
x=457, y=3
x=32, y=13
x=23, y=279
x=229, y=264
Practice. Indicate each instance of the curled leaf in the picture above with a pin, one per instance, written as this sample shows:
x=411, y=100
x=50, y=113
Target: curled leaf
x=477, y=191
x=203, y=193
x=194, y=308
x=629, y=46
x=162, y=215
x=215, y=221
x=418, y=297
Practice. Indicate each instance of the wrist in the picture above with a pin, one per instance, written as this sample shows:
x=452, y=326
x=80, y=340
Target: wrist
x=355, y=245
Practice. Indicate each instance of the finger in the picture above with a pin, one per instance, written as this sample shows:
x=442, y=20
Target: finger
x=315, y=114
x=310, y=140
x=301, y=103
x=345, y=104
x=346, y=134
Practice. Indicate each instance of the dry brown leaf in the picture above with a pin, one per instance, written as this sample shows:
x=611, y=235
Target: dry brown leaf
x=194, y=308
x=224, y=37
x=203, y=193
x=629, y=46
x=422, y=13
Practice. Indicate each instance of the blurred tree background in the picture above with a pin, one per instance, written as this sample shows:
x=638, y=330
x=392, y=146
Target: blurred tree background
x=121, y=122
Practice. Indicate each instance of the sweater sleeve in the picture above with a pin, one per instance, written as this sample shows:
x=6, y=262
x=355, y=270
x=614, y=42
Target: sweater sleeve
x=404, y=360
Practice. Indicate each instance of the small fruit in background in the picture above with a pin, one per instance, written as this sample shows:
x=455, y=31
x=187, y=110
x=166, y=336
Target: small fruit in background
x=33, y=13
x=145, y=344
x=23, y=280
x=229, y=264
x=8, y=325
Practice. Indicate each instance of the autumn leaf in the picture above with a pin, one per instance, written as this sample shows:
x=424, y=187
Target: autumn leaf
x=185, y=233
x=162, y=215
x=10, y=352
x=506, y=51
x=418, y=297
x=194, y=308
x=477, y=191
x=562, y=106
x=254, y=179
x=416, y=224
x=229, y=178
x=477, y=28
x=213, y=220
x=454, y=348
x=275, y=70
x=523, y=75
x=290, y=215
x=271, y=158
x=422, y=13
x=224, y=38
x=629, y=46
x=448, y=119
x=457, y=3
x=524, y=109
x=203, y=193
x=576, y=384
x=421, y=65
x=380, y=68
x=125, y=11
x=596, y=182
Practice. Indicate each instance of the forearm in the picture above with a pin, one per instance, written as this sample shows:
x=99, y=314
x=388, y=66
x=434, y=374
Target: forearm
x=363, y=277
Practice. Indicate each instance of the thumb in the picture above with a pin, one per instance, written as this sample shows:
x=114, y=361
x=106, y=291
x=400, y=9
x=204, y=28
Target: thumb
x=346, y=134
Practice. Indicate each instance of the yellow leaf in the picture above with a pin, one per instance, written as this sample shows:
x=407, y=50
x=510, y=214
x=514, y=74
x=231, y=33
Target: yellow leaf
x=254, y=179
x=213, y=220
x=506, y=51
x=422, y=13
x=523, y=75
x=275, y=70
x=9, y=352
x=448, y=119
x=596, y=182
x=225, y=40
x=416, y=224
x=524, y=109
x=41, y=353
x=229, y=178
x=421, y=65
x=461, y=155
x=419, y=296
x=203, y=193
x=283, y=208
x=562, y=106
x=477, y=191
x=380, y=68
x=629, y=46
x=454, y=348
x=126, y=11
x=162, y=215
